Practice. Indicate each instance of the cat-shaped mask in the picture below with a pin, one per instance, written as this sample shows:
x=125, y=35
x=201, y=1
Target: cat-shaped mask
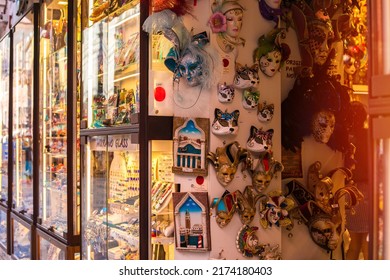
x=265, y=112
x=246, y=77
x=225, y=93
x=225, y=123
x=259, y=140
x=250, y=98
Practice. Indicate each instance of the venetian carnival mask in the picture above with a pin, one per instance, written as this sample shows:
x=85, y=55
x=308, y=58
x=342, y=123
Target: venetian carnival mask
x=325, y=232
x=262, y=171
x=187, y=58
x=226, y=160
x=225, y=207
x=274, y=210
x=246, y=203
x=190, y=68
x=248, y=242
x=270, y=63
x=322, y=126
x=321, y=37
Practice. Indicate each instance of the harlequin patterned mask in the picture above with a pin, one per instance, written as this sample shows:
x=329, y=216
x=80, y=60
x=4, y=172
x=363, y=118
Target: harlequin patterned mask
x=226, y=160
x=274, y=210
x=263, y=171
x=225, y=93
x=259, y=141
x=225, y=123
x=225, y=207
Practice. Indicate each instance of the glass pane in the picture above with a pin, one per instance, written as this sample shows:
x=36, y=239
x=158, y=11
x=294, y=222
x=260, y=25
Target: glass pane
x=4, y=116
x=53, y=115
x=111, y=198
x=22, y=241
x=49, y=251
x=3, y=228
x=162, y=220
x=111, y=67
x=23, y=114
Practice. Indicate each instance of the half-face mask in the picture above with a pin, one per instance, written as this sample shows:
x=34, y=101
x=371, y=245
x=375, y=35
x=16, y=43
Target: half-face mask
x=246, y=203
x=262, y=170
x=322, y=125
x=225, y=207
x=226, y=160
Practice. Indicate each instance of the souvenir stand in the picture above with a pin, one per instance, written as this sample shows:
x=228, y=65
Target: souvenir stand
x=224, y=83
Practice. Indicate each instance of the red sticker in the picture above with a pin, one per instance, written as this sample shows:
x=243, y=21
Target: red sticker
x=159, y=94
x=200, y=180
x=225, y=62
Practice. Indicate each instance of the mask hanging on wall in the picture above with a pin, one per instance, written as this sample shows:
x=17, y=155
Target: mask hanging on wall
x=226, y=160
x=225, y=123
x=259, y=141
x=188, y=59
x=271, y=52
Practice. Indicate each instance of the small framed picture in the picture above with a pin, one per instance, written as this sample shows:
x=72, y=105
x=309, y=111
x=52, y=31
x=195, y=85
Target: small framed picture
x=190, y=145
x=192, y=221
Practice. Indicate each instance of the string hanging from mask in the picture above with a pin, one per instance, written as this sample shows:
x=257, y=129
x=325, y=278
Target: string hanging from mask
x=187, y=59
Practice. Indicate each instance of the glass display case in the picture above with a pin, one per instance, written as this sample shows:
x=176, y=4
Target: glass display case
x=111, y=66
x=21, y=238
x=3, y=228
x=162, y=212
x=58, y=128
x=110, y=131
x=4, y=116
x=110, y=204
x=22, y=117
